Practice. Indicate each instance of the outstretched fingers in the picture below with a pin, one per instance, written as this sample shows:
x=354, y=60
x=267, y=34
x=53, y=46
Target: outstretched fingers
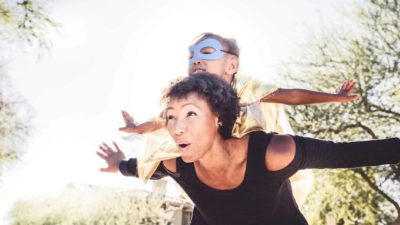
x=127, y=117
x=345, y=85
x=346, y=93
x=352, y=85
x=111, y=156
x=101, y=155
x=117, y=147
x=348, y=86
x=107, y=150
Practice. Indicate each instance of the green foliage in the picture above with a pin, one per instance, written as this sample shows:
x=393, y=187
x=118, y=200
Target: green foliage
x=23, y=22
x=369, y=53
x=345, y=196
x=94, y=206
x=15, y=123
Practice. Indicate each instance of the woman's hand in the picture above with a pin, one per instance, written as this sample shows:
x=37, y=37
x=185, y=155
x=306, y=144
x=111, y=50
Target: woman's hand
x=111, y=156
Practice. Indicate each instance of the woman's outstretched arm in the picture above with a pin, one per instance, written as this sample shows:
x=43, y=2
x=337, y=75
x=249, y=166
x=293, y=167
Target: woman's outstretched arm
x=287, y=154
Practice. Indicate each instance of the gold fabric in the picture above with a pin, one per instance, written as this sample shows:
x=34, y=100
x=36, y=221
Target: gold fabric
x=158, y=146
x=254, y=116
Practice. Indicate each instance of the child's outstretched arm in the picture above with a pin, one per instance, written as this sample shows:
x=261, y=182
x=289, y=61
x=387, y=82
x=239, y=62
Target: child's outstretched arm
x=146, y=127
x=302, y=96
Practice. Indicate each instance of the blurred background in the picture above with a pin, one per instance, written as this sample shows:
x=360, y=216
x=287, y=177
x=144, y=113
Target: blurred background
x=68, y=68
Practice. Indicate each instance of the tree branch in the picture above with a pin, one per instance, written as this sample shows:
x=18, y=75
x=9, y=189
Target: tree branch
x=386, y=110
x=372, y=185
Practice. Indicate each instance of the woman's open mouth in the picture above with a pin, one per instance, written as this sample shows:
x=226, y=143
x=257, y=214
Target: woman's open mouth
x=183, y=147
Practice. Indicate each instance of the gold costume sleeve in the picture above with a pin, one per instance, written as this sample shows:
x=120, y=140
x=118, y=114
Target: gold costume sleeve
x=254, y=115
x=158, y=146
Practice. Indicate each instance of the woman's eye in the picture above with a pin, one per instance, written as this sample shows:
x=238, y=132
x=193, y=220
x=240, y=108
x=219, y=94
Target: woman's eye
x=191, y=113
x=170, y=117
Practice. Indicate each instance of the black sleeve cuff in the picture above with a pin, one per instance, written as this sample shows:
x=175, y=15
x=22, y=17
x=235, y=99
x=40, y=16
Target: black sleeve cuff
x=128, y=167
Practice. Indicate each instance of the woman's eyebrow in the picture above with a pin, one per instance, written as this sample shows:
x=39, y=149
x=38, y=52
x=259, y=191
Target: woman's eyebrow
x=187, y=104
x=184, y=105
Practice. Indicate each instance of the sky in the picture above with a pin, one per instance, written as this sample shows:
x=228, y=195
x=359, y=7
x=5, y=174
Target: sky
x=109, y=56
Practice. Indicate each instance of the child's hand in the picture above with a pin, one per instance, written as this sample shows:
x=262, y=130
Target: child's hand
x=130, y=125
x=345, y=93
x=111, y=156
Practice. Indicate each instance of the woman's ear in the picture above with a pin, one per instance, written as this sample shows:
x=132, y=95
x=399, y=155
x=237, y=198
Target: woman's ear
x=217, y=122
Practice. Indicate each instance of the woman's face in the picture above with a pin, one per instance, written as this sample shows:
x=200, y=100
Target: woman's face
x=192, y=125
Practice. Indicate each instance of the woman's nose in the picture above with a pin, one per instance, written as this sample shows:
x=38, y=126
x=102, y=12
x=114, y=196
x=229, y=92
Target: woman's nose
x=179, y=128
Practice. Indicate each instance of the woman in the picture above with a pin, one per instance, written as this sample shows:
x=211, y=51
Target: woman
x=241, y=180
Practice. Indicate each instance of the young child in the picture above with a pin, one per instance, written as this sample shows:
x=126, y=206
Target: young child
x=261, y=108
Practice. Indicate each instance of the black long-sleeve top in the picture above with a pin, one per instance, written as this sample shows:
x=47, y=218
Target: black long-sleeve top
x=265, y=197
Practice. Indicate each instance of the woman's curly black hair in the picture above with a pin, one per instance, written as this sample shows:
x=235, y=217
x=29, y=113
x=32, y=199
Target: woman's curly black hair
x=219, y=95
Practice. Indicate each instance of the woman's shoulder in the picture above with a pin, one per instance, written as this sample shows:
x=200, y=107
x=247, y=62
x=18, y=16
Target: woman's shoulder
x=170, y=165
x=281, y=141
x=280, y=152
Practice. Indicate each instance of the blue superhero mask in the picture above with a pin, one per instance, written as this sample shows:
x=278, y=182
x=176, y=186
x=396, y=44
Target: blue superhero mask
x=206, y=43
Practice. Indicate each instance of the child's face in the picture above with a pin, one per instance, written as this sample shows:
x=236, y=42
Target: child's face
x=218, y=66
x=209, y=56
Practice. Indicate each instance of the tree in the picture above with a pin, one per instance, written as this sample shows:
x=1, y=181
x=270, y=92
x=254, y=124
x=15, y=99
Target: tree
x=22, y=23
x=88, y=205
x=15, y=123
x=368, y=52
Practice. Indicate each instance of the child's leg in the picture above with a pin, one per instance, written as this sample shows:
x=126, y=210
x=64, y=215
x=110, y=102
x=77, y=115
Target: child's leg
x=301, y=185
